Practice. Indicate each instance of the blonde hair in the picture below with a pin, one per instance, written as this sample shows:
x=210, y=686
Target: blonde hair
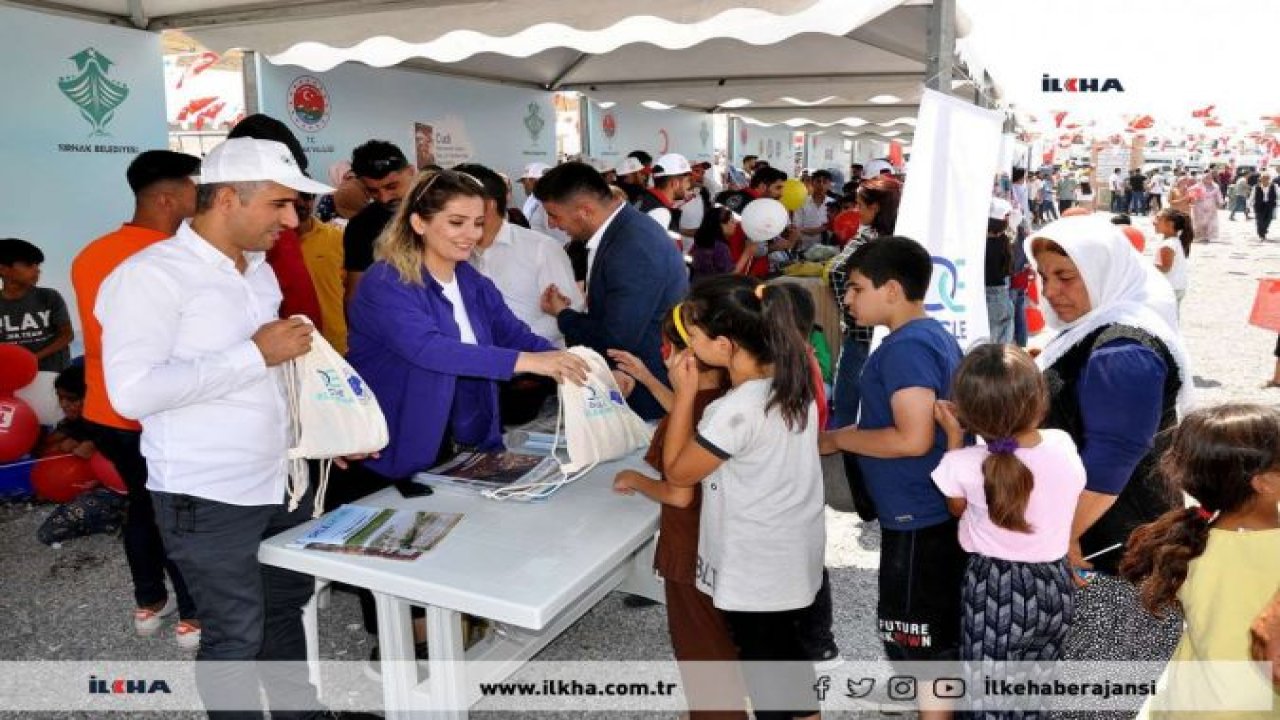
x=399, y=245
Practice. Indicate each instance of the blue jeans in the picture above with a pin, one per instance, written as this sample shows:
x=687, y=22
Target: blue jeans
x=1019, y=300
x=1000, y=313
x=853, y=355
x=1137, y=203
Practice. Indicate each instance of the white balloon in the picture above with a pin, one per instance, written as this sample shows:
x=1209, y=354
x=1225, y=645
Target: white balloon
x=42, y=398
x=764, y=219
x=691, y=214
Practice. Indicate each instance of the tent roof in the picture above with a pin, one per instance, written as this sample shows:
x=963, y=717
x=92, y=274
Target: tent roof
x=807, y=63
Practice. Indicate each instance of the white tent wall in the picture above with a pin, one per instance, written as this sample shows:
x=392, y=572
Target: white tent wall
x=617, y=130
x=826, y=151
x=83, y=99
x=469, y=121
x=773, y=144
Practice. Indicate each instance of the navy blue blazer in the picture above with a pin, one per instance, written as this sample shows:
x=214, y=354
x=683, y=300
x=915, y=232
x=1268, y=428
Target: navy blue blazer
x=637, y=276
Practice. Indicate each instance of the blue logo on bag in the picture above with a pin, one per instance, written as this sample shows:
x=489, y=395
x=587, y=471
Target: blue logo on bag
x=334, y=388
x=357, y=385
x=597, y=404
x=617, y=398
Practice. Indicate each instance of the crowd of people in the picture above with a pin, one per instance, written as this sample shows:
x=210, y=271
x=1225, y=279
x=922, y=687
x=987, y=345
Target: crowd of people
x=999, y=481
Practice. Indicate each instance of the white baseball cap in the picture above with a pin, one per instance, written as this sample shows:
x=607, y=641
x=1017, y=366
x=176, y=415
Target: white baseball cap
x=534, y=170
x=873, y=169
x=628, y=165
x=671, y=164
x=252, y=160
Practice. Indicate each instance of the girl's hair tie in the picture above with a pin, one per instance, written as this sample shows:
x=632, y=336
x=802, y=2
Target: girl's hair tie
x=1002, y=446
x=1203, y=513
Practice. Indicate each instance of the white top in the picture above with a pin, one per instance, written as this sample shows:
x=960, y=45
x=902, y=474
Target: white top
x=594, y=242
x=1117, y=182
x=177, y=322
x=454, y=295
x=1177, y=274
x=1156, y=185
x=522, y=263
x=811, y=214
x=539, y=222
x=762, y=537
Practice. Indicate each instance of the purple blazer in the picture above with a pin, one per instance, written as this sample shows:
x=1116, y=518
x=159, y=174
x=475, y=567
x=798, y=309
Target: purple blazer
x=405, y=344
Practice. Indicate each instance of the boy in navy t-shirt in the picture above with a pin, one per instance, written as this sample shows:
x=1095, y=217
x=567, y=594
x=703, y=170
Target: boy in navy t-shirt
x=898, y=444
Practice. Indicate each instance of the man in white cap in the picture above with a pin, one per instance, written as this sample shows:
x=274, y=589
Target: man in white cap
x=630, y=177
x=533, y=210
x=670, y=182
x=192, y=349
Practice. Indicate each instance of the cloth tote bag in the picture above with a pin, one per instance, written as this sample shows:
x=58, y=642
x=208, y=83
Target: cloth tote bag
x=332, y=413
x=597, y=424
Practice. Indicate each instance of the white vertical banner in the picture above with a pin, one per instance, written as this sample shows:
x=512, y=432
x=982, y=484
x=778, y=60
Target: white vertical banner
x=945, y=203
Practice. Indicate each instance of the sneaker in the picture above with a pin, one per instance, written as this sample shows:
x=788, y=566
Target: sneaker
x=146, y=621
x=373, y=668
x=187, y=635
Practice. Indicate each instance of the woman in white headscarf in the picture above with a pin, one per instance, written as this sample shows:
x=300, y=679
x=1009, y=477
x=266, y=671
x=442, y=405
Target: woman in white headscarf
x=1118, y=374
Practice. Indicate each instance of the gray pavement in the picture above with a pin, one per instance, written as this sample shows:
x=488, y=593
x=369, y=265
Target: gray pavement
x=74, y=602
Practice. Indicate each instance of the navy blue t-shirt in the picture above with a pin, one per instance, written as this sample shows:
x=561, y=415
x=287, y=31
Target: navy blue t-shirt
x=919, y=354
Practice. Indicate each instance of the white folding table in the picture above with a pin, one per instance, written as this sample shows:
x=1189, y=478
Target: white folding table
x=537, y=566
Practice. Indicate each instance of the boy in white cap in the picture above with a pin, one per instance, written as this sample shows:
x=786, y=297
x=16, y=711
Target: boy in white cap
x=192, y=348
x=630, y=177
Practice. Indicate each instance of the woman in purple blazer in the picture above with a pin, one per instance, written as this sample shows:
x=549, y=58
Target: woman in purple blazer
x=432, y=336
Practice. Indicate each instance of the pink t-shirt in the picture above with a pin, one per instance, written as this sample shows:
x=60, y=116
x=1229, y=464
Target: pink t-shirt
x=1059, y=478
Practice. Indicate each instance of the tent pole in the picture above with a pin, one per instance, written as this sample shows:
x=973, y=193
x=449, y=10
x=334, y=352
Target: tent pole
x=251, y=74
x=941, y=42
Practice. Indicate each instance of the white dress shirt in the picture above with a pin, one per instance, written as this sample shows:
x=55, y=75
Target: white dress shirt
x=811, y=214
x=522, y=263
x=594, y=242
x=177, y=322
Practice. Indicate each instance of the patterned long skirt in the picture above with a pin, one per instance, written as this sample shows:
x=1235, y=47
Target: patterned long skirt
x=1015, y=611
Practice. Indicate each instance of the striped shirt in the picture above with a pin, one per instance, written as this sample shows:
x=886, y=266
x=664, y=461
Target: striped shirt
x=839, y=278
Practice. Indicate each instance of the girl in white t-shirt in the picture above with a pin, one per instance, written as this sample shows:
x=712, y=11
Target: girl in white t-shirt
x=1173, y=228
x=1016, y=497
x=755, y=451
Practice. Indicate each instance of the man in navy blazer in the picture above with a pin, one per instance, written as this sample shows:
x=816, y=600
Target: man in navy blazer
x=635, y=273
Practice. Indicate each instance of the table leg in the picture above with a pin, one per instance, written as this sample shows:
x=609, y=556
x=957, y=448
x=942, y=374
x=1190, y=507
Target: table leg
x=447, y=667
x=641, y=579
x=395, y=648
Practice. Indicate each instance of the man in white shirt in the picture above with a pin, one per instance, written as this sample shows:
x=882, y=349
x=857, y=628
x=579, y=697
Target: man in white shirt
x=532, y=209
x=1116, y=185
x=522, y=263
x=811, y=218
x=192, y=348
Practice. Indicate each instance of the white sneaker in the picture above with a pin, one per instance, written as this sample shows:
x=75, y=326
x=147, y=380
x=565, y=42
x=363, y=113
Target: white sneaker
x=187, y=635
x=146, y=622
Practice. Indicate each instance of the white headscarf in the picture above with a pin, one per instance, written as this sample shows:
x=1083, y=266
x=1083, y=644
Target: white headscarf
x=1122, y=289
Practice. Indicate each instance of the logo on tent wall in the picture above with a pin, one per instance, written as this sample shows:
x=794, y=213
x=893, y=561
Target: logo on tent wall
x=1079, y=84
x=704, y=132
x=742, y=132
x=665, y=145
x=533, y=121
x=96, y=95
x=609, y=124
x=948, y=285
x=309, y=105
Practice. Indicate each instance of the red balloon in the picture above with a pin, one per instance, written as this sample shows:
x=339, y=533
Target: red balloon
x=61, y=478
x=18, y=367
x=846, y=224
x=1135, y=236
x=105, y=471
x=19, y=428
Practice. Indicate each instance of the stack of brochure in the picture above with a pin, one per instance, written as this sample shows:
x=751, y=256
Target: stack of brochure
x=378, y=532
x=475, y=472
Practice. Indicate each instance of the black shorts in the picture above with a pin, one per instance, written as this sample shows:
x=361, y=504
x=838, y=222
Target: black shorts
x=786, y=682
x=921, y=575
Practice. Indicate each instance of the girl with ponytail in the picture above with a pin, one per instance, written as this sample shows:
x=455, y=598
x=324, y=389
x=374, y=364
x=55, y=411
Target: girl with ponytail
x=1218, y=562
x=1015, y=497
x=755, y=452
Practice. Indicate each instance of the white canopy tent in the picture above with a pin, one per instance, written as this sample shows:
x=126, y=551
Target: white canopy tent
x=853, y=64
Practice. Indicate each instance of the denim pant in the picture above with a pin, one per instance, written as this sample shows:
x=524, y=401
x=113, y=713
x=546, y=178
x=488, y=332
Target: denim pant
x=1000, y=313
x=1238, y=204
x=853, y=355
x=143, y=548
x=1019, y=300
x=1137, y=203
x=248, y=611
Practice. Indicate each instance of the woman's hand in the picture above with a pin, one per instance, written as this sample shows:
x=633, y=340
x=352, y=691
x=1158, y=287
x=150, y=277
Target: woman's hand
x=631, y=365
x=684, y=374
x=560, y=365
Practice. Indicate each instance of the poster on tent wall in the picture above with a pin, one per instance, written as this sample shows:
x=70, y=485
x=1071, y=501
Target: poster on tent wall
x=770, y=143
x=431, y=118
x=82, y=99
x=617, y=130
x=827, y=152
x=944, y=206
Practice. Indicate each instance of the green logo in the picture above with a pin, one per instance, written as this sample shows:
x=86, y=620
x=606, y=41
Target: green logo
x=96, y=95
x=533, y=122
